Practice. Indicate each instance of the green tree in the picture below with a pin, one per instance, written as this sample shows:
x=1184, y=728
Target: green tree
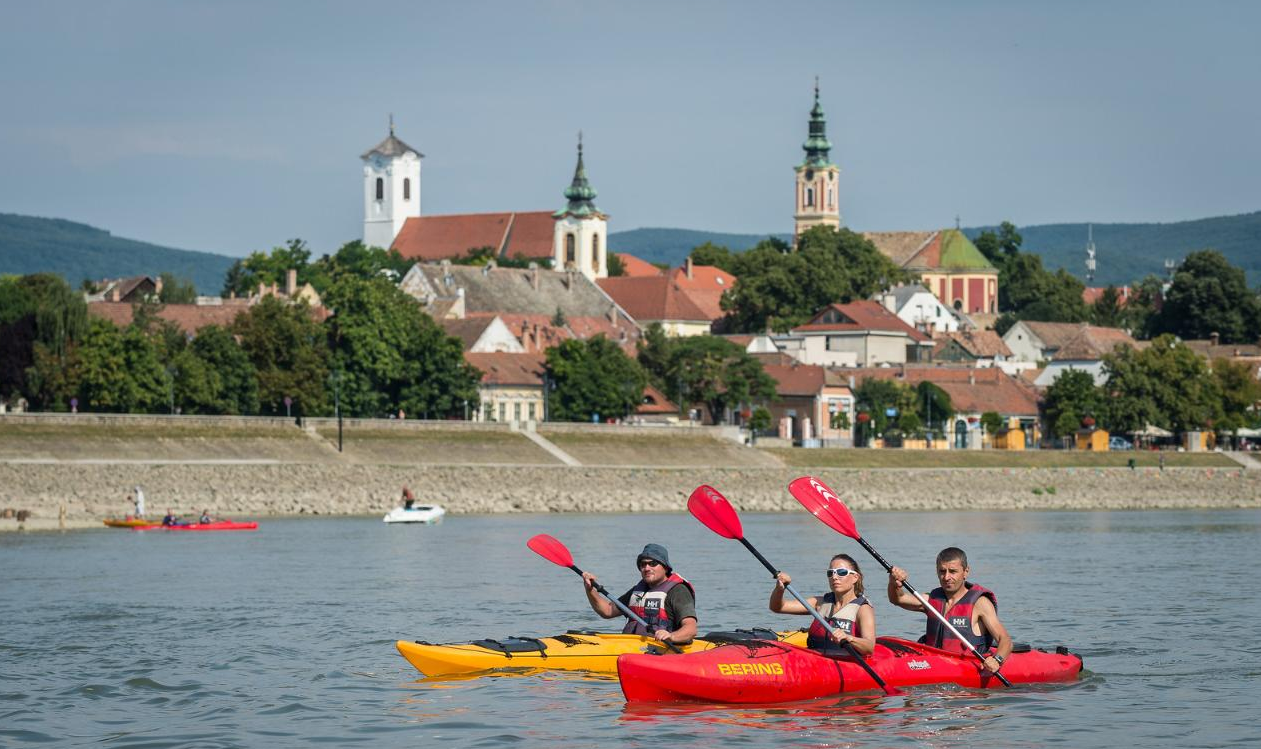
x=992, y=422
x=876, y=397
x=267, y=269
x=615, y=265
x=933, y=406
x=759, y=421
x=781, y=289
x=41, y=320
x=1209, y=295
x=1030, y=292
x=219, y=379
x=289, y=351
x=653, y=354
x=996, y=246
x=119, y=371
x=176, y=290
x=357, y=260
x=1166, y=384
x=392, y=355
x=593, y=377
x=1240, y=392
x=716, y=372
x=1144, y=303
x=713, y=255
x=1107, y=310
x=1072, y=397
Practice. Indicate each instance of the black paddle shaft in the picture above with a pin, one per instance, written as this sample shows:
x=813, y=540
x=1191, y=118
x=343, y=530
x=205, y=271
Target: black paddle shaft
x=847, y=645
x=911, y=589
x=626, y=611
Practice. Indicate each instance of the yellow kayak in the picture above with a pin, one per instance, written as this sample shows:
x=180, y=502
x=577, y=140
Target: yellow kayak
x=130, y=522
x=574, y=651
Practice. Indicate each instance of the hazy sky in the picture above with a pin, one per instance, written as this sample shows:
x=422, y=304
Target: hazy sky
x=232, y=126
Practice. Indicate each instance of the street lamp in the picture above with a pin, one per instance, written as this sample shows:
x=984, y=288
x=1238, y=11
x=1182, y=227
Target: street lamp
x=336, y=379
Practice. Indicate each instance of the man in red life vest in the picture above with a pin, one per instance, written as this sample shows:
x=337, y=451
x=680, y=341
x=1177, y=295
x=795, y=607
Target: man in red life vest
x=663, y=599
x=970, y=608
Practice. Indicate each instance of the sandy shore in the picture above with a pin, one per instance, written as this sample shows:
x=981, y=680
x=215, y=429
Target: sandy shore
x=91, y=492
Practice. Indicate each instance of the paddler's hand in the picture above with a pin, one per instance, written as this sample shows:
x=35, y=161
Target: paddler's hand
x=840, y=637
x=589, y=581
x=663, y=635
x=992, y=664
x=783, y=579
x=897, y=576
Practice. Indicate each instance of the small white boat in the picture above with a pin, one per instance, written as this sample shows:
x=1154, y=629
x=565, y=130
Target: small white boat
x=426, y=514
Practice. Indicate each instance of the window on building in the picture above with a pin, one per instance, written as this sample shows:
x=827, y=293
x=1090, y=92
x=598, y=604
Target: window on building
x=571, y=253
x=516, y=412
x=503, y=411
x=533, y=412
x=595, y=253
x=809, y=196
x=407, y=188
x=380, y=189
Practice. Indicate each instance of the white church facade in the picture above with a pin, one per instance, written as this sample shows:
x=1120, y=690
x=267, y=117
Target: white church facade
x=572, y=238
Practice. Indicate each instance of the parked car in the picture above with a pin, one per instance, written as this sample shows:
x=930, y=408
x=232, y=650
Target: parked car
x=1119, y=443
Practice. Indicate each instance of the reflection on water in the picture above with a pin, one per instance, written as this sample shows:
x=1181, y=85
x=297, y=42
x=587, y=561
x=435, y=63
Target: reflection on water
x=286, y=636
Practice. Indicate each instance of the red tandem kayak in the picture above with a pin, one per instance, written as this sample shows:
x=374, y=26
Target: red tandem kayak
x=764, y=671
x=218, y=525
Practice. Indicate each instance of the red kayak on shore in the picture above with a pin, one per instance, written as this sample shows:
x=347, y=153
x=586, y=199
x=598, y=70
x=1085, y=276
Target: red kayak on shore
x=218, y=525
x=765, y=671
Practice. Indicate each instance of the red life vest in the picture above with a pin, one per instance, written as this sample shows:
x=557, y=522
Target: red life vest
x=650, y=605
x=844, y=618
x=959, y=615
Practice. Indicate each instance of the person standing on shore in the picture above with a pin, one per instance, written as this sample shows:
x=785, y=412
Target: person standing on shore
x=970, y=608
x=847, y=610
x=662, y=598
x=139, y=501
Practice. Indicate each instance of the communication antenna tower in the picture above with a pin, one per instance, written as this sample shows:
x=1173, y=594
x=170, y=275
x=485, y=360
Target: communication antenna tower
x=1170, y=265
x=1090, y=254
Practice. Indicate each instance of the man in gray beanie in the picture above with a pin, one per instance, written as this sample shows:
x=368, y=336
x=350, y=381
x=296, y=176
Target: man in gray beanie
x=662, y=598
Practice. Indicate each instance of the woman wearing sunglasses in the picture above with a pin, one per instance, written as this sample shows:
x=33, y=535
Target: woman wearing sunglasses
x=846, y=609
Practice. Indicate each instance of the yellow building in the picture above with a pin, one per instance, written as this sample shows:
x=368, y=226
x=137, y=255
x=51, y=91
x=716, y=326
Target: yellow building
x=1009, y=438
x=1092, y=439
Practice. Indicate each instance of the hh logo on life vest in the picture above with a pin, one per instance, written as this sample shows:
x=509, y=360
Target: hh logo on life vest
x=959, y=621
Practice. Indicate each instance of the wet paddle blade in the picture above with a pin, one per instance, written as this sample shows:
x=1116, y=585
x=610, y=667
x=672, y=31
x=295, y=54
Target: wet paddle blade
x=715, y=512
x=823, y=503
x=551, y=550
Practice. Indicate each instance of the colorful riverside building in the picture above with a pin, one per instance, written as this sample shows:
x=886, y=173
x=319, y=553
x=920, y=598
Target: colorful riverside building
x=948, y=264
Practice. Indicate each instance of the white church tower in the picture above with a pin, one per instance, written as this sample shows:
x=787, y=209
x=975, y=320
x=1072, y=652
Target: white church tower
x=580, y=239
x=391, y=189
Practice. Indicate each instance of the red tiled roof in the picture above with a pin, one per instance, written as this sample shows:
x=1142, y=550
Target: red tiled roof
x=537, y=333
x=796, y=379
x=656, y=402
x=971, y=390
x=510, y=234
x=467, y=330
x=861, y=315
x=189, y=317
x=636, y=267
x=1092, y=342
x=649, y=299
x=508, y=369
x=705, y=287
x=1091, y=294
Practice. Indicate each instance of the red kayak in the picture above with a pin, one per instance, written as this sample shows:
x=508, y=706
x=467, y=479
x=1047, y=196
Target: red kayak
x=218, y=525
x=764, y=671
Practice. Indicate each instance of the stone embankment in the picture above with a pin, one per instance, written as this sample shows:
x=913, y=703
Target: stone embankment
x=94, y=491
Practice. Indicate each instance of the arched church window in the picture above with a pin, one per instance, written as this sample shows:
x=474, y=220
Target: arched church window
x=958, y=305
x=809, y=196
x=407, y=188
x=571, y=254
x=595, y=253
x=380, y=189
x=831, y=200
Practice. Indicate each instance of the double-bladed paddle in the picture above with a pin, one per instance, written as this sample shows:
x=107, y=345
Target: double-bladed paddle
x=823, y=503
x=717, y=514
x=556, y=553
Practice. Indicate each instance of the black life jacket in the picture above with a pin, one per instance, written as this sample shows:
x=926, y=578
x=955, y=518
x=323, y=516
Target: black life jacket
x=650, y=605
x=959, y=615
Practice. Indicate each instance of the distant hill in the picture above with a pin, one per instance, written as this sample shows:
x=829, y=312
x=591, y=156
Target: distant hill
x=78, y=251
x=1125, y=252
x=672, y=246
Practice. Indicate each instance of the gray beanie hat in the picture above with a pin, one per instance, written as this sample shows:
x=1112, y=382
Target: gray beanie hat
x=656, y=552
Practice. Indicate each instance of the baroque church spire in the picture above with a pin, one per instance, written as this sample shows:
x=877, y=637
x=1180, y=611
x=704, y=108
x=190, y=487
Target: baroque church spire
x=817, y=145
x=580, y=193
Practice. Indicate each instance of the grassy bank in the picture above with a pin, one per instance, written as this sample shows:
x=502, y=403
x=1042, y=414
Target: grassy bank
x=895, y=458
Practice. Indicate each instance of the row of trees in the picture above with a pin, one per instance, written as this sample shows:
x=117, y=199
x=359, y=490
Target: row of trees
x=380, y=353
x=1165, y=384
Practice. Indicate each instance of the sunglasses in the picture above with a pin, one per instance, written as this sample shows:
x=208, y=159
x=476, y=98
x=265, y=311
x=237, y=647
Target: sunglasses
x=647, y=563
x=841, y=572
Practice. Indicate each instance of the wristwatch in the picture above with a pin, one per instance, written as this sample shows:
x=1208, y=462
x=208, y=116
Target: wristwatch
x=998, y=658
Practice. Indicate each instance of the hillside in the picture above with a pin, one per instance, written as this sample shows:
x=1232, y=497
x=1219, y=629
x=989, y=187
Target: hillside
x=78, y=251
x=1127, y=252
x=672, y=246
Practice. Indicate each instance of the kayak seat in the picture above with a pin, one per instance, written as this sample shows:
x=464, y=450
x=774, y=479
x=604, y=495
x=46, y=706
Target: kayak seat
x=514, y=645
x=588, y=632
x=741, y=635
x=1021, y=647
x=896, y=647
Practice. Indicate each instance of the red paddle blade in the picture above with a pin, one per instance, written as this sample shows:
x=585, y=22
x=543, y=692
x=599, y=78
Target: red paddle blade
x=715, y=512
x=551, y=550
x=823, y=503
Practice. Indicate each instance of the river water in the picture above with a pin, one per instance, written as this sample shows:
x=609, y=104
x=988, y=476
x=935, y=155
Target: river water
x=284, y=636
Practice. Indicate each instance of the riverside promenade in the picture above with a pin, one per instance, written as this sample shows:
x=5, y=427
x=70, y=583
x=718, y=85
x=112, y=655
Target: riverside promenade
x=73, y=471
